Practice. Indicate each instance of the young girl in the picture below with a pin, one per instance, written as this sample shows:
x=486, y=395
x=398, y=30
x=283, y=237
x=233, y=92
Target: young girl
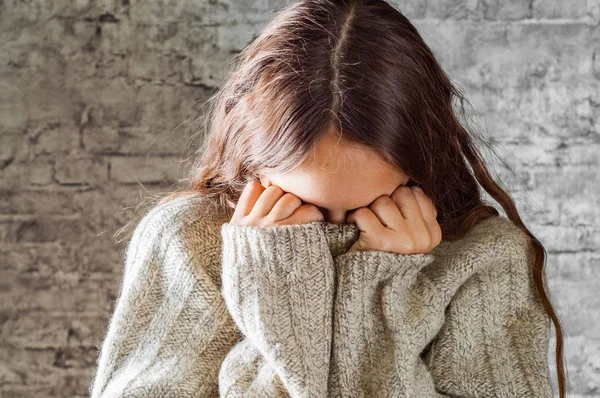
x=333, y=242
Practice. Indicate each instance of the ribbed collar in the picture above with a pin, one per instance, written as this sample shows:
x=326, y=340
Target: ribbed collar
x=340, y=237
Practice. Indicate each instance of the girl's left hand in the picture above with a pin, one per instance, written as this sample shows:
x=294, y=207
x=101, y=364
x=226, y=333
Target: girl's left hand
x=403, y=223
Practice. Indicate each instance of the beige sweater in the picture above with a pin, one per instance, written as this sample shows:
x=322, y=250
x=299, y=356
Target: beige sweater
x=210, y=309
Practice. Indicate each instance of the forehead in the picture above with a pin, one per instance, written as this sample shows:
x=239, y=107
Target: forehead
x=339, y=175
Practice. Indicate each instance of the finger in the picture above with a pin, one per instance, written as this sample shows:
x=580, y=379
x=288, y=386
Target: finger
x=248, y=198
x=388, y=213
x=425, y=204
x=429, y=213
x=406, y=202
x=365, y=220
x=305, y=214
x=266, y=201
x=420, y=227
x=285, y=206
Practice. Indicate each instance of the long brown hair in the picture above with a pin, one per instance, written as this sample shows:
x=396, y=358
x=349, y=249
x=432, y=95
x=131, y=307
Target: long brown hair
x=360, y=69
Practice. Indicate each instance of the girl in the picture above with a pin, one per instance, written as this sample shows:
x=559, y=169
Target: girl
x=334, y=242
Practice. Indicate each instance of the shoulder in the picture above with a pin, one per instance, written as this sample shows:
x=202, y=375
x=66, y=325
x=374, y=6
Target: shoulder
x=502, y=228
x=188, y=223
x=183, y=213
x=506, y=266
x=180, y=236
x=175, y=213
x=495, y=238
x=505, y=241
x=492, y=263
x=490, y=236
x=494, y=248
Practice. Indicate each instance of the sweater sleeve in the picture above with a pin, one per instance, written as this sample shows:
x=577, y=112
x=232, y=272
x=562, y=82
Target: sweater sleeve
x=495, y=340
x=375, y=347
x=278, y=283
x=170, y=328
x=396, y=333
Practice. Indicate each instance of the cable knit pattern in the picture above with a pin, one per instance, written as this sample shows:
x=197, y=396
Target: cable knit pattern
x=211, y=309
x=278, y=283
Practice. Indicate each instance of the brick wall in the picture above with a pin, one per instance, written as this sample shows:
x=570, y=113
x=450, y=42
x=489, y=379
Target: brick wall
x=93, y=100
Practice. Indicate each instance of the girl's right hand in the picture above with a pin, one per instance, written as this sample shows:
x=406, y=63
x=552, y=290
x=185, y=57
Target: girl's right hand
x=265, y=207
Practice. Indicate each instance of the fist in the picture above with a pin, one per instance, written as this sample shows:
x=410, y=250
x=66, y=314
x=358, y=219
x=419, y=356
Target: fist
x=265, y=207
x=403, y=223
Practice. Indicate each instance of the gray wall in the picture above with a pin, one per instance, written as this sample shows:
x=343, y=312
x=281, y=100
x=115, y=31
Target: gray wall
x=93, y=100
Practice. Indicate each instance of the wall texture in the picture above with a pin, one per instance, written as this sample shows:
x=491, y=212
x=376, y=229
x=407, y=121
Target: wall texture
x=93, y=100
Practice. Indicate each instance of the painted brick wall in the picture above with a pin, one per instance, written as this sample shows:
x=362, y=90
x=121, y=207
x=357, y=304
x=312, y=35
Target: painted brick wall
x=94, y=96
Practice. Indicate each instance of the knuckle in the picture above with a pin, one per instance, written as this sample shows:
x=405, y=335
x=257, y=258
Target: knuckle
x=245, y=221
x=425, y=243
x=381, y=199
x=361, y=211
x=315, y=211
x=433, y=206
x=377, y=203
x=309, y=207
x=386, y=247
x=417, y=189
x=275, y=188
x=292, y=199
x=401, y=193
x=408, y=245
x=439, y=235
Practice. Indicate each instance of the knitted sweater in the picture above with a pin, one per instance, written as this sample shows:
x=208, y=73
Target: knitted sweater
x=211, y=309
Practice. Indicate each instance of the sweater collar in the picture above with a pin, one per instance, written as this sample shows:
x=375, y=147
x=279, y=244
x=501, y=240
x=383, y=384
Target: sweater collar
x=340, y=237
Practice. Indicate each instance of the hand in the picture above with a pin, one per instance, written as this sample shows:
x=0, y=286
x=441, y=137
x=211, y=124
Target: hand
x=264, y=207
x=404, y=223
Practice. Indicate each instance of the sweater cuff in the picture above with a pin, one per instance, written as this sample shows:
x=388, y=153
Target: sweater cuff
x=375, y=266
x=278, y=284
x=286, y=244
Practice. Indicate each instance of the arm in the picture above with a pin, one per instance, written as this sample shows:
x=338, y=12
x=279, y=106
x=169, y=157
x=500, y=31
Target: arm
x=376, y=325
x=170, y=329
x=496, y=337
x=278, y=283
x=408, y=334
